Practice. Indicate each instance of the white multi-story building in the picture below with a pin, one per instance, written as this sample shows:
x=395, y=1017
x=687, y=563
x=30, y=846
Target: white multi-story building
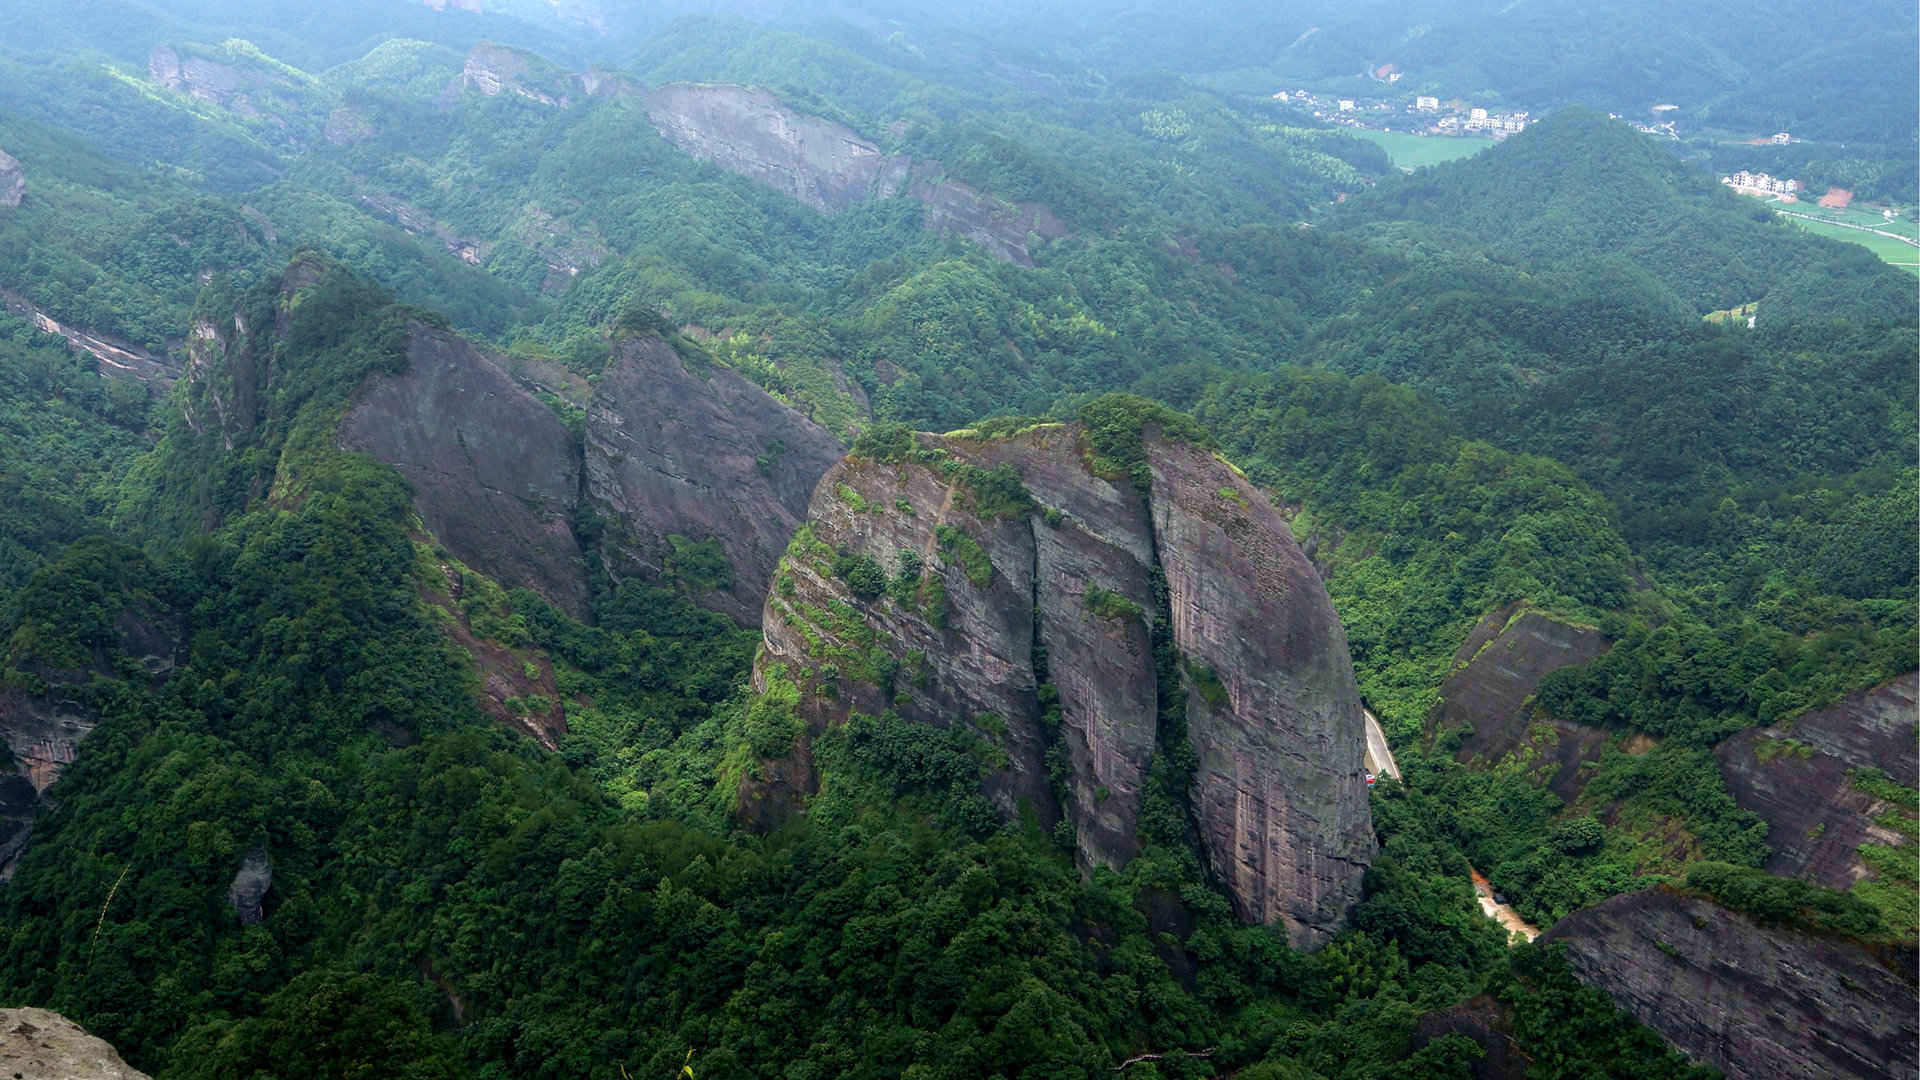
x=1346, y=104
x=1425, y=103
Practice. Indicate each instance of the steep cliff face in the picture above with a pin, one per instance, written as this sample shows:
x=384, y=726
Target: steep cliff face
x=39, y=1044
x=830, y=168
x=1753, y=1001
x=989, y=595
x=496, y=475
x=1802, y=775
x=13, y=180
x=702, y=457
x=1494, y=675
x=244, y=82
x=1278, y=727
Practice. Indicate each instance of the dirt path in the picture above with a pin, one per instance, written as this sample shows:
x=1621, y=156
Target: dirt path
x=1850, y=225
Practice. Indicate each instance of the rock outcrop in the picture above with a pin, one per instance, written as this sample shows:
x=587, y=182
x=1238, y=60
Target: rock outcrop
x=500, y=69
x=43, y=728
x=250, y=885
x=1492, y=682
x=1754, y=1001
x=1801, y=775
x=992, y=598
x=114, y=358
x=831, y=168
x=39, y=1044
x=496, y=475
x=704, y=457
x=233, y=78
x=13, y=180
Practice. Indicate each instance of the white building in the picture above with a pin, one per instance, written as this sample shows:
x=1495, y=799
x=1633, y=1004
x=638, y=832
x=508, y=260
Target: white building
x=1426, y=103
x=1781, y=138
x=1346, y=104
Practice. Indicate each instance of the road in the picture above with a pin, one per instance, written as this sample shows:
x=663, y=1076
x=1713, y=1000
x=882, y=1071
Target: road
x=1379, y=754
x=1380, y=762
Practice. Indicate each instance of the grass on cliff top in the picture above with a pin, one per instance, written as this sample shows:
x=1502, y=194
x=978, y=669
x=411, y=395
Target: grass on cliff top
x=1116, y=425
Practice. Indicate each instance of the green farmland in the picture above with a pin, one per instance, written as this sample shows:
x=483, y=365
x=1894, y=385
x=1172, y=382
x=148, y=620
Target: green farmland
x=1835, y=223
x=1410, y=151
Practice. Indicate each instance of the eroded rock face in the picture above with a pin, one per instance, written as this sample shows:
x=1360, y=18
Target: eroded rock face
x=1494, y=675
x=13, y=180
x=1800, y=775
x=1277, y=725
x=39, y=1044
x=1004, y=602
x=748, y=131
x=495, y=472
x=43, y=730
x=250, y=885
x=711, y=456
x=830, y=168
x=496, y=69
x=1753, y=1001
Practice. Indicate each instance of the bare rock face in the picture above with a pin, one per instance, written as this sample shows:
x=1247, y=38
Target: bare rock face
x=250, y=885
x=1494, y=676
x=39, y=1044
x=231, y=79
x=495, y=473
x=497, y=69
x=748, y=131
x=830, y=168
x=703, y=457
x=13, y=180
x=1800, y=775
x=989, y=605
x=1272, y=708
x=1754, y=1001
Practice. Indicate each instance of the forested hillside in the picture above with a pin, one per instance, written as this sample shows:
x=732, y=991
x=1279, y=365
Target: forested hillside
x=301, y=780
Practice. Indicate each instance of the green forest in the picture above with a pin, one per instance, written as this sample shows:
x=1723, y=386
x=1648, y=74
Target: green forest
x=1490, y=382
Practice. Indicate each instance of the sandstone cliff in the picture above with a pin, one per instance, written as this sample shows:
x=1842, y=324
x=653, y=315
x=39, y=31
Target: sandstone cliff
x=495, y=473
x=13, y=180
x=1802, y=774
x=993, y=596
x=830, y=168
x=704, y=457
x=1753, y=1001
x=1491, y=684
x=39, y=1044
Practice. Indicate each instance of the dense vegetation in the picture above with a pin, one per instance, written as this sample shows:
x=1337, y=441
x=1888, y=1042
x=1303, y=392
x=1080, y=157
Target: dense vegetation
x=1484, y=384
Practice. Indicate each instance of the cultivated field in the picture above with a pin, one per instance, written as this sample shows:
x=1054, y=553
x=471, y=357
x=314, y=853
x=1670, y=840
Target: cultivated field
x=1409, y=151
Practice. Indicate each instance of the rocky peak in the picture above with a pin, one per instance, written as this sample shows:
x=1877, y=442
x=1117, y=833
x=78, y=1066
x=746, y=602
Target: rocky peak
x=831, y=168
x=1003, y=574
x=13, y=180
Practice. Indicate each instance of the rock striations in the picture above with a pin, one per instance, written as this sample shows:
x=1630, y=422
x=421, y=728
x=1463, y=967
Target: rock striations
x=968, y=580
x=830, y=168
x=674, y=454
x=1802, y=776
x=1754, y=1001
